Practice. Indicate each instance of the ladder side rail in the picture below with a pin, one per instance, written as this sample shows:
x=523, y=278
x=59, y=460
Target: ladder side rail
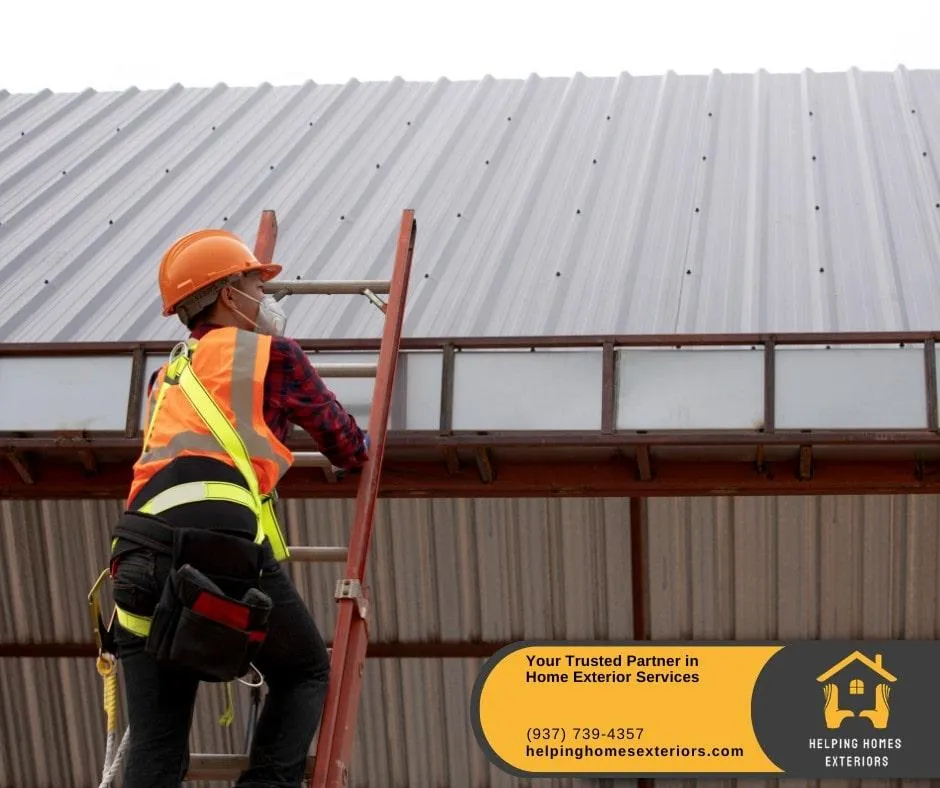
x=335, y=737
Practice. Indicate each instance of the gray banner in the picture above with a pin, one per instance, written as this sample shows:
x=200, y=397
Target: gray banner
x=851, y=709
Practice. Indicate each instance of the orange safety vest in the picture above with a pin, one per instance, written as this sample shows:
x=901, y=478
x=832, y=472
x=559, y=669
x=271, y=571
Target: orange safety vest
x=231, y=364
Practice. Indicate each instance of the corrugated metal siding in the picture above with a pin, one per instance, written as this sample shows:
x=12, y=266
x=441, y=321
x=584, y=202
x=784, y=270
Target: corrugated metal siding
x=446, y=570
x=440, y=570
x=795, y=568
x=630, y=204
x=719, y=568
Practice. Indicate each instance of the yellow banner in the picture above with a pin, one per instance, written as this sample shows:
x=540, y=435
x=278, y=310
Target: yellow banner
x=602, y=709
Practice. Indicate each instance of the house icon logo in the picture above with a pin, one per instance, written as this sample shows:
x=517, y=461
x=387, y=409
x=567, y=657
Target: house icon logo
x=857, y=687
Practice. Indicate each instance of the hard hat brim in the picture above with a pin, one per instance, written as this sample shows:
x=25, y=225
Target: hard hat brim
x=267, y=271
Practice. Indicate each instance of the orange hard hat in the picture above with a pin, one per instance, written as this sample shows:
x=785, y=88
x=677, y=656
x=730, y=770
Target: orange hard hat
x=202, y=258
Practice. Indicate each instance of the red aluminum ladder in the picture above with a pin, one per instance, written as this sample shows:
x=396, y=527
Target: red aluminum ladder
x=329, y=766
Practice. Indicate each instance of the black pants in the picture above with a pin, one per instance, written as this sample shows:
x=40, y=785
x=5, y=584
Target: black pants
x=160, y=701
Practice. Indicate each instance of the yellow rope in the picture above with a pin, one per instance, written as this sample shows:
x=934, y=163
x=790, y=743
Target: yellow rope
x=107, y=669
x=228, y=716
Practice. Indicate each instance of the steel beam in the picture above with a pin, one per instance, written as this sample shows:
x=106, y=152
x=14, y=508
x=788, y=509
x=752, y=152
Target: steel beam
x=523, y=439
x=620, y=478
x=498, y=343
x=453, y=649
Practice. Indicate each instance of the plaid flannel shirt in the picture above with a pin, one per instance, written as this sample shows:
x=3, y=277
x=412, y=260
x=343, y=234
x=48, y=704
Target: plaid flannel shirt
x=294, y=393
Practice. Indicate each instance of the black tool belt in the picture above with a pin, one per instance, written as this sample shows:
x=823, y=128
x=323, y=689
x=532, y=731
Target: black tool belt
x=212, y=617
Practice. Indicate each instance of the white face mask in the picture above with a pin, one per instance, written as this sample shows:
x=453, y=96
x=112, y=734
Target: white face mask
x=271, y=318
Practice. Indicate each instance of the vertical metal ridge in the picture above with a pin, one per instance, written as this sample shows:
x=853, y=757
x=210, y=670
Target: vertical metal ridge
x=822, y=313
x=884, y=256
x=930, y=378
x=770, y=386
x=639, y=569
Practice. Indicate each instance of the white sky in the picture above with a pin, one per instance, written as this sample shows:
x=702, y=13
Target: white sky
x=109, y=45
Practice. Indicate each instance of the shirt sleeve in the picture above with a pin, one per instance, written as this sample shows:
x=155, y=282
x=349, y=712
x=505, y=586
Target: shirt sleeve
x=307, y=401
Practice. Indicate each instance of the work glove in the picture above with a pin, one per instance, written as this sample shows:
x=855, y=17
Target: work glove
x=341, y=472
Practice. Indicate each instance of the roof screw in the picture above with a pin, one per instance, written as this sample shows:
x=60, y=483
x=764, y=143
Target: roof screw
x=110, y=221
x=310, y=123
x=168, y=170
x=213, y=128
x=509, y=118
x=814, y=158
x=377, y=166
x=459, y=215
x=688, y=271
x=593, y=161
x=118, y=128
x=342, y=218
x=557, y=273
x=822, y=270
x=45, y=281
x=578, y=211
x=22, y=133
x=925, y=153
x=409, y=122
x=225, y=218
x=709, y=114
x=426, y=276
x=63, y=172
x=704, y=158
x=696, y=210
x=817, y=207
x=811, y=113
x=272, y=167
x=487, y=161
x=608, y=117
x=913, y=112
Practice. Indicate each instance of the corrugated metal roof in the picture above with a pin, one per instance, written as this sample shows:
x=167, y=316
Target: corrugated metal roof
x=790, y=568
x=721, y=203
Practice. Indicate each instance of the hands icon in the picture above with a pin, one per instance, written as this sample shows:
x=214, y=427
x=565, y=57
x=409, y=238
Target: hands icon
x=878, y=715
x=834, y=715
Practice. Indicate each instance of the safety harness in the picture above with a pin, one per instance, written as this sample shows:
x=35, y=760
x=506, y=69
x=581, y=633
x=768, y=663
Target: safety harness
x=211, y=619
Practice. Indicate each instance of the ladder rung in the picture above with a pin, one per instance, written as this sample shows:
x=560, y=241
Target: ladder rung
x=345, y=370
x=209, y=766
x=309, y=555
x=311, y=459
x=327, y=287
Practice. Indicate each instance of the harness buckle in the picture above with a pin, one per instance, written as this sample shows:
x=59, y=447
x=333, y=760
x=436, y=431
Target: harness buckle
x=180, y=350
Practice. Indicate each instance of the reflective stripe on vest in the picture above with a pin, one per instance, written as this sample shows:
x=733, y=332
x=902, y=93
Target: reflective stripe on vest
x=239, y=392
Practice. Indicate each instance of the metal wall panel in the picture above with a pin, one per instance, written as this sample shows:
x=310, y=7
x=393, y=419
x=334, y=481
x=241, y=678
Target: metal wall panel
x=765, y=568
x=851, y=388
x=795, y=567
x=70, y=394
x=690, y=389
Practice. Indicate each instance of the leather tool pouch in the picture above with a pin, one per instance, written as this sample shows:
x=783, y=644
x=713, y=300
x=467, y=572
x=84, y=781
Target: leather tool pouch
x=212, y=618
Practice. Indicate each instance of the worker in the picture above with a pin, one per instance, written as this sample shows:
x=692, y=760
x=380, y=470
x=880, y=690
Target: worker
x=265, y=383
